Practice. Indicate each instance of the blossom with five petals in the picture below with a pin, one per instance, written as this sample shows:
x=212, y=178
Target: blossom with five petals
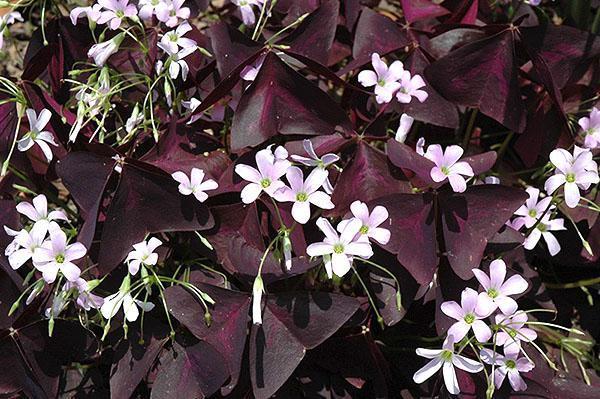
x=410, y=86
x=468, y=316
x=529, y=213
x=497, y=290
x=143, y=254
x=304, y=192
x=171, y=11
x=174, y=39
x=55, y=255
x=194, y=184
x=384, y=78
x=38, y=213
x=36, y=134
x=591, y=128
x=114, y=302
x=513, y=331
x=543, y=230
x=115, y=11
x=370, y=222
x=448, y=167
x=315, y=161
x=28, y=242
x=510, y=365
x=446, y=360
x=339, y=249
x=271, y=168
x=574, y=171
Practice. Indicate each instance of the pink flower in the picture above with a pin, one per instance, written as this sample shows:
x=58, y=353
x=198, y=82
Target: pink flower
x=174, y=39
x=338, y=250
x=250, y=72
x=577, y=171
x=591, y=128
x=406, y=122
x=469, y=315
x=93, y=13
x=143, y=254
x=510, y=365
x=303, y=193
x=171, y=11
x=115, y=11
x=445, y=359
x=55, y=255
x=38, y=212
x=85, y=299
x=543, y=229
x=513, y=331
x=369, y=222
x=529, y=213
x=448, y=167
x=27, y=243
x=36, y=134
x=195, y=184
x=409, y=88
x=317, y=162
x=148, y=8
x=383, y=78
x=497, y=290
x=271, y=167
x=246, y=9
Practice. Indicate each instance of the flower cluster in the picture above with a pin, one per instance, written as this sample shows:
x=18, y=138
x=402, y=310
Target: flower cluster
x=493, y=317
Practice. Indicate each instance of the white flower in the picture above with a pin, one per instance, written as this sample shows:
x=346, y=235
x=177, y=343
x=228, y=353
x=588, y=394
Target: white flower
x=497, y=290
x=246, y=10
x=55, y=255
x=543, y=229
x=8, y=19
x=469, y=315
x=339, y=250
x=445, y=359
x=510, y=365
x=529, y=213
x=369, y=222
x=38, y=212
x=406, y=122
x=28, y=242
x=36, y=134
x=410, y=87
x=383, y=78
x=303, y=193
x=174, y=39
x=271, y=167
x=114, y=302
x=577, y=171
x=147, y=8
x=171, y=11
x=114, y=11
x=315, y=161
x=194, y=184
x=143, y=254
x=177, y=64
x=448, y=167
x=591, y=128
x=101, y=51
x=92, y=13
x=258, y=289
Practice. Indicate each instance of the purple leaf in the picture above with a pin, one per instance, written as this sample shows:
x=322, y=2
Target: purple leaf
x=146, y=202
x=196, y=371
x=416, y=10
x=231, y=47
x=292, y=323
x=229, y=315
x=314, y=37
x=484, y=75
x=471, y=219
x=135, y=364
x=413, y=238
x=368, y=176
x=376, y=33
x=281, y=101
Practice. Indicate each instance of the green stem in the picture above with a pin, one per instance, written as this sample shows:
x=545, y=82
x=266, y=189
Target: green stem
x=364, y=286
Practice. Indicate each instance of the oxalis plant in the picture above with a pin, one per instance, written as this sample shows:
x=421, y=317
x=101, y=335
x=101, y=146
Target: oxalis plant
x=299, y=199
